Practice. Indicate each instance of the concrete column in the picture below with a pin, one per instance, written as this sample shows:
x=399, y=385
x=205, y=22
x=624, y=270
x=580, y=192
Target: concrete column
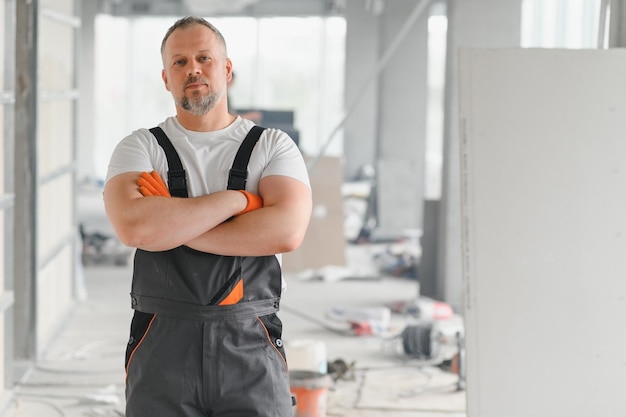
x=471, y=23
x=617, y=28
x=85, y=142
x=403, y=83
x=386, y=69
x=401, y=141
x=362, y=53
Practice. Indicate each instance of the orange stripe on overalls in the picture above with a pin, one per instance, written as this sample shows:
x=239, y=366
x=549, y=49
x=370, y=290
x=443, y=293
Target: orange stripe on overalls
x=235, y=295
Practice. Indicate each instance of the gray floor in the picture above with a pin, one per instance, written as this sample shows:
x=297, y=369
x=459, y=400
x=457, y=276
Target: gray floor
x=82, y=372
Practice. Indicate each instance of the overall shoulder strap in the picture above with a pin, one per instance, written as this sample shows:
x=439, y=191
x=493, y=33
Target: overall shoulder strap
x=238, y=174
x=176, y=176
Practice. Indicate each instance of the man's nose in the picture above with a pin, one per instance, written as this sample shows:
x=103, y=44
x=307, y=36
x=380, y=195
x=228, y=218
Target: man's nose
x=193, y=68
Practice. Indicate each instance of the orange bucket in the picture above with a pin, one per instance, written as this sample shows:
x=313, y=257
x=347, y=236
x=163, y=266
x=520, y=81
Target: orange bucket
x=311, y=391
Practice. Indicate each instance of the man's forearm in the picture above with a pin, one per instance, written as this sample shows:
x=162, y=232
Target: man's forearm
x=267, y=231
x=278, y=227
x=162, y=223
x=176, y=221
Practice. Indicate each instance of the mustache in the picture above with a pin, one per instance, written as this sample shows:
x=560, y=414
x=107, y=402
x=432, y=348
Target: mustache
x=195, y=79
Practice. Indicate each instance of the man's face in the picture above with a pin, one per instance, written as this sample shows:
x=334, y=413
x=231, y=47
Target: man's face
x=195, y=69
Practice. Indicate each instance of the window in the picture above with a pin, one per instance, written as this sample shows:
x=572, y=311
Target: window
x=281, y=63
x=560, y=23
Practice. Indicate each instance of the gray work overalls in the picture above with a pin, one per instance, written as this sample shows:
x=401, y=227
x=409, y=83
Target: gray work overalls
x=205, y=339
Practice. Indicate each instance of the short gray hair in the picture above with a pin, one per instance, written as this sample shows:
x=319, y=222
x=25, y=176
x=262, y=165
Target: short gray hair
x=189, y=21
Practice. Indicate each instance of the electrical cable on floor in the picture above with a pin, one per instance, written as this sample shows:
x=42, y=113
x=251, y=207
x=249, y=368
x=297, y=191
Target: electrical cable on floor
x=87, y=347
x=18, y=411
x=444, y=388
x=421, y=389
x=312, y=319
x=92, y=395
x=420, y=363
x=52, y=370
x=100, y=387
x=85, y=400
x=387, y=409
x=80, y=355
x=32, y=385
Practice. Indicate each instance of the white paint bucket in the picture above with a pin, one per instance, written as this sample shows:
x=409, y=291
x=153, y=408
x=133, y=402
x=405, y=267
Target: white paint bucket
x=306, y=355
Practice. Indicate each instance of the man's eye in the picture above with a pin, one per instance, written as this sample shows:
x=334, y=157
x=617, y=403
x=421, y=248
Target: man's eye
x=179, y=62
x=204, y=58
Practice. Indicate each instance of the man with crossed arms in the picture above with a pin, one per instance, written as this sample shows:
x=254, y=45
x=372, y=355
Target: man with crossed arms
x=205, y=339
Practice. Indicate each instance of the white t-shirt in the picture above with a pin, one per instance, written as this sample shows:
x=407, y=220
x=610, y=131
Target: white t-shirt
x=208, y=156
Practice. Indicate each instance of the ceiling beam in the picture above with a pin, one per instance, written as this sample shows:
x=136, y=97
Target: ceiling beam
x=258, y=8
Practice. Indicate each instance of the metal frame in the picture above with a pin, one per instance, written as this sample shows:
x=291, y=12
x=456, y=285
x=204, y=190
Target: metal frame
x=26, y=118
x=7, y=201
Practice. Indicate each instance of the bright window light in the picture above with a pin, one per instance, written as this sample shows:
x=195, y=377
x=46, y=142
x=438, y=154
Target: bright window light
x=560, y=23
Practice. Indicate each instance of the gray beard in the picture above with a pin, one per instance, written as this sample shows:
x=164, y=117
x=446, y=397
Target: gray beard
x=199, y=105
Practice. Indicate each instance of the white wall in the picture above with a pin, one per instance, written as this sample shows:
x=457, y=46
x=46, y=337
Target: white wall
x=471, y=23
x=544, y=231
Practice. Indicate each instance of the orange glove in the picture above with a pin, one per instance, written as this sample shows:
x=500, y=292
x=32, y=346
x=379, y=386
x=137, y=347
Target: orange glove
x=152, y=185
x=254, y=202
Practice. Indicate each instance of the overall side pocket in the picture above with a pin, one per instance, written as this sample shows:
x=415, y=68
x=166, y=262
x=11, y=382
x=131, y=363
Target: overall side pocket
x=274, y=328
x=139, y=327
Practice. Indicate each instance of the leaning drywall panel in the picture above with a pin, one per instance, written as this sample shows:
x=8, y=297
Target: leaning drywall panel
x=543, y=153
x=324, y=243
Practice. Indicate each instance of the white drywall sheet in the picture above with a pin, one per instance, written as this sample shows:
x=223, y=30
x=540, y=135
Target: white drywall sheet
x=543, y=153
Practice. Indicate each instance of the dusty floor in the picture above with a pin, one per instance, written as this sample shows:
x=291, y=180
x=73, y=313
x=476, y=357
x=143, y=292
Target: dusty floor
x=82, y=372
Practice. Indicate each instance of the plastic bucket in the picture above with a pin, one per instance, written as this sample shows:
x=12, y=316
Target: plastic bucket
x=311, y=391
x=306, y=355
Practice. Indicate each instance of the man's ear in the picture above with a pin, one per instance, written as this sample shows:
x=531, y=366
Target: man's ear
x=164, y=76
x=229, y=70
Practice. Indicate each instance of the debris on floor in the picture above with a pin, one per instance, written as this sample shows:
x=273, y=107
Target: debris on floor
x=364, y=321
x=432, y=342
x=424, y=308
x=399, y=259
x=340, y=369
x=102, y=249
x=411, y=388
